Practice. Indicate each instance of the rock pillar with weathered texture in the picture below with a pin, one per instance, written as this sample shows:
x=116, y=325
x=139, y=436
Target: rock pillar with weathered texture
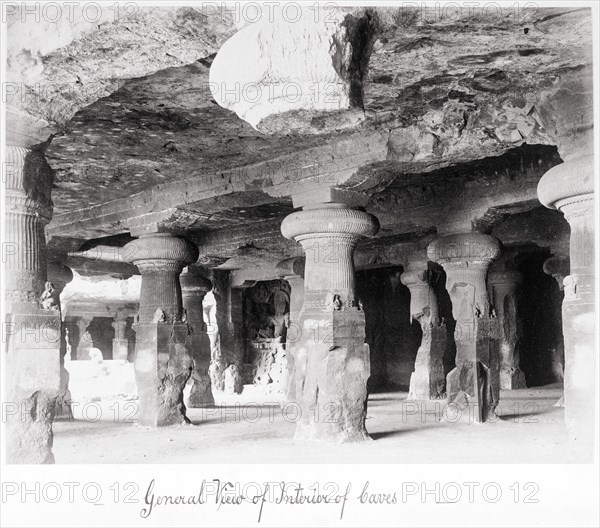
x=194, y=288
x=331, y=350
x=504, y=285
x=428, y=381
x=569, y=187
x=558, y=268
x=120, y=342
x=292, y=270
x=475, y=379
x=58, y=277
x=33, y=323
x=84, y=343
x=227, y=357
x=163, y=362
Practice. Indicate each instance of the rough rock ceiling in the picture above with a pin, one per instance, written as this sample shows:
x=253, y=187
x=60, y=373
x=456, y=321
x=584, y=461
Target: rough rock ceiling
x=448, y=90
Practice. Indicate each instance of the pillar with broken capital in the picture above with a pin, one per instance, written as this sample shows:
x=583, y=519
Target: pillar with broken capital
x=292, y=270
x=58, y=277
x=120, y=344
x=331, y=350
x=33, y=322
x=558, y=268
x=228, y=353
x=504, y=286
x=474, y=382
x=163, y=362
x=194, y=288
x=428, y=381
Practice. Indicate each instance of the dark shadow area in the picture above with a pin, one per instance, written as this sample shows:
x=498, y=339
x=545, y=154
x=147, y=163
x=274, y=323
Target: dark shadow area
x=392, y=339
x=539, y=304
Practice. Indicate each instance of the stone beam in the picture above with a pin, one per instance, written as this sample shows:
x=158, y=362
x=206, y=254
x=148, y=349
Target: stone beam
x=334, y=164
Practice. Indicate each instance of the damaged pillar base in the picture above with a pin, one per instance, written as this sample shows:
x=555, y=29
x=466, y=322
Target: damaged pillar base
x=474, y=382
x=62, y=409
x=333, y=397
x=428, y=381
x=163, y=366
x=201, y=393
x=33, y=359
x=512, y=378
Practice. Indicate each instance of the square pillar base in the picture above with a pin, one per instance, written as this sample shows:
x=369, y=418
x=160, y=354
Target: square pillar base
x=475, y=381
x=163, y=365
x=332, y=369
x=32, y=384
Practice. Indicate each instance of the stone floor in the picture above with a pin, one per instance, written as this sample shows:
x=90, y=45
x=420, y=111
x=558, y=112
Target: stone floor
x=530, y=430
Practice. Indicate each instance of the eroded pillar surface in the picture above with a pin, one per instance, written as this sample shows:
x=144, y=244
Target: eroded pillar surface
x=120, y=342
x=504, y=285
x=428, y=381
x=33, y=323
x=292, y=270
x=227, y=356
x=331, y=349
x=194, y=288
x=558, y=267
x=163, y=360
x=58, y=277
x=474, y=382
x=569, y=187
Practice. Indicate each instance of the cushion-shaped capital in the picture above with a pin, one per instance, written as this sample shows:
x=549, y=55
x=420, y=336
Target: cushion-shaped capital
x=160, y=250
x=464, y=247
x=567, y=180
x=334, y=221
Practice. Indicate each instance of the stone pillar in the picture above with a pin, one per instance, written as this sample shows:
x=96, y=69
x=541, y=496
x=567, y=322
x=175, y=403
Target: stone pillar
x=292, y=270
x=569, y=187
x=227, y=358
x=163, y=360
x=32, y=331
x=85, y=339
x=194, y=288
x=503, y=287
x=558, y=268
x=120, y=342
x=58, y=277
x=427, y=382
x=331, y=350
x=475, y=379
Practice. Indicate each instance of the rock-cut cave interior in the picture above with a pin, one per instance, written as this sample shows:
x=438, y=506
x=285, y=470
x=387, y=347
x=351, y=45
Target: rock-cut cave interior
x=371, y=228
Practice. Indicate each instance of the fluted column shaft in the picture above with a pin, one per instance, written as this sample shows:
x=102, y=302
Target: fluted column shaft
x=427, y=381
x=569, y=187
x=504, y=285
x=474, y=381
x=28, y=210
x=33, y=325
x=331, y=357
x=163, y=361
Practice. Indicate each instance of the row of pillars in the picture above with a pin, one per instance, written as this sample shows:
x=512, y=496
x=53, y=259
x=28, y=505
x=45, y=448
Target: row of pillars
x=331, y=363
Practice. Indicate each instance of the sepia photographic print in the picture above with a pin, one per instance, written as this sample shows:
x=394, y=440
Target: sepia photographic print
x=299, y=264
